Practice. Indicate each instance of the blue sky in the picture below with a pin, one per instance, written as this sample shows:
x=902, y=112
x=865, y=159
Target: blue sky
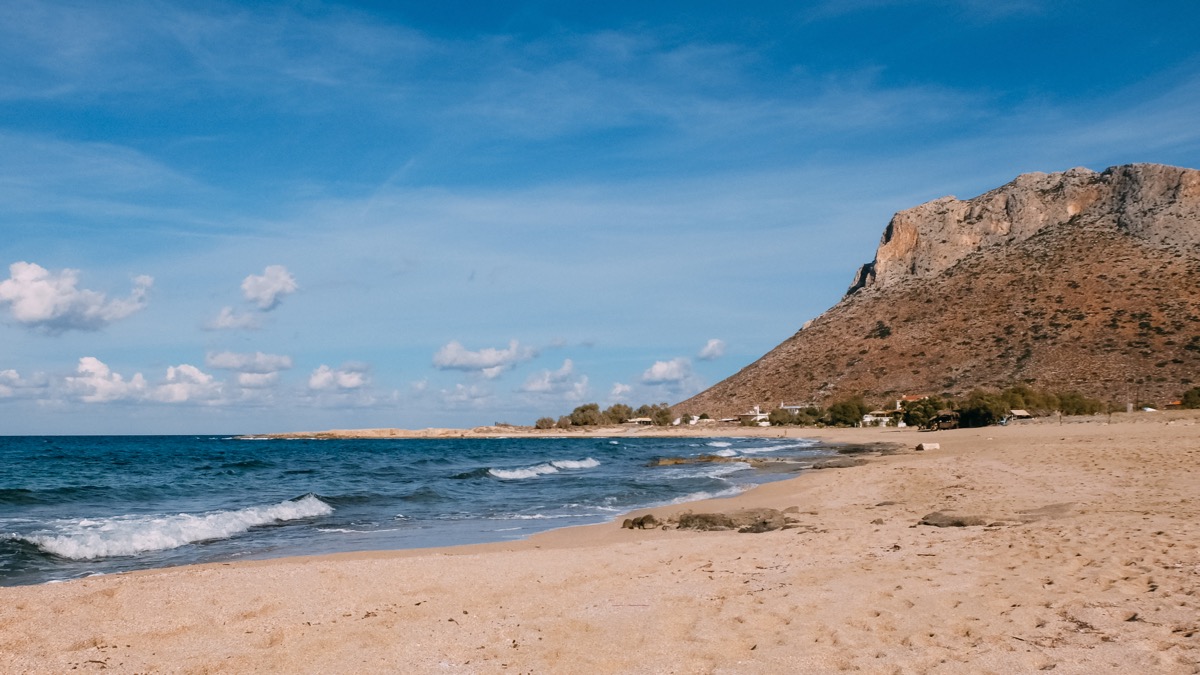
x=252, y=217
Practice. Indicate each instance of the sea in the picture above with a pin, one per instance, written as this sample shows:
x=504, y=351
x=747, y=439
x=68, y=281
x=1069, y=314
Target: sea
x=77, y=506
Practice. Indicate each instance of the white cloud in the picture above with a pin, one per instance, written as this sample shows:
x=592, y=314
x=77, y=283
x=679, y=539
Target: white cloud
x=559, y=382
x=96, y=383
x=714, y=349
x=257, y=380
x=229, y=319
x=10, y=381
x=269, y=289
x=258, y=362
x=463, y=394
x=186, y=383
x=668, y=372
x=324, y=378
x=619, y=391
x=490, y=362
x=420, y=386
x=42, y=299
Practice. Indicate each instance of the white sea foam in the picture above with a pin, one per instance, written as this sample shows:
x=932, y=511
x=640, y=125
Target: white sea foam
x=345, y=530
x=697, y=496
x=725, y=452
x=718, y=444
x=543, y=469
x=708, y=470
x=534, y=516
x=520, y=474
x=776, y=447
x=129, y=535
x=588, y=463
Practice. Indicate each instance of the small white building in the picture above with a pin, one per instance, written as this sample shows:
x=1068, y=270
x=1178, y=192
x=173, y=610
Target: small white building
x=755, y=416
x=877, y=418
x=796, y=407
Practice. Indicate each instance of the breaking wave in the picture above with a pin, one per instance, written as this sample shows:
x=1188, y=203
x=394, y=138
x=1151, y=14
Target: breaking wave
x=92, y=538
x=544, y=469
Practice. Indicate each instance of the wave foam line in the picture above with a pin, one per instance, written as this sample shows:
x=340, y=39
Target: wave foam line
x=797, y=445
x=543, y=469
x=129, y=535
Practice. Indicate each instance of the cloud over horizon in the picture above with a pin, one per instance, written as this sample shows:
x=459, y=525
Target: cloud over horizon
x=348, y=377
x=95, y=382
x=560, y=383
x=488, y=362
x=53, y=302
x=668, y=372
x=186, y=383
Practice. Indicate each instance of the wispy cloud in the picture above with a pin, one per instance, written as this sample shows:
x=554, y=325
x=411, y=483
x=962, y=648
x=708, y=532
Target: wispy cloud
x=467, y=395
x=80, y=49
x=981, y=11
x=229, y=319
x=256, y=362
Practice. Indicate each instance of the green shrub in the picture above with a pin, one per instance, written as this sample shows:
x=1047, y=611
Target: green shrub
x=982, y=409
x=920, y=413
x=587, y=415
x=780, y=417
x=618, y=413
x=1191, y=398
x=848, y=412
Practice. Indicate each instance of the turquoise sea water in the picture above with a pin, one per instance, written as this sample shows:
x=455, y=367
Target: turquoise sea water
x=77, y=506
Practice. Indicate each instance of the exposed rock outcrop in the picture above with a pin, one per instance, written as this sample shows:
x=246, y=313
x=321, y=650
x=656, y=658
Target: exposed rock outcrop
x=1160, y=204
x=1079, y=281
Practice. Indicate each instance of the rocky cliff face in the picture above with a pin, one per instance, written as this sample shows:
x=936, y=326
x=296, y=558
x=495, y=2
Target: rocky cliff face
x=1157, y=203
x=1079, y=281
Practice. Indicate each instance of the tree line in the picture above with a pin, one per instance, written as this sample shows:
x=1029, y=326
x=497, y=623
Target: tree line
x=590, y=415
x=977, y=409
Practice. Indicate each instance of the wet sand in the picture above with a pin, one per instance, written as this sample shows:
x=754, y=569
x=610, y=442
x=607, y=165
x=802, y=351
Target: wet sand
x=1087, y=560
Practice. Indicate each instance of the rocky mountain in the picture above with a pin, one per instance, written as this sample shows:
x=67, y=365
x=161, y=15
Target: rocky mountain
x=1075, y=281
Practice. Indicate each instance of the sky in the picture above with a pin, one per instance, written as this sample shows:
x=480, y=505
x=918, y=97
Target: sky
x=254, y=217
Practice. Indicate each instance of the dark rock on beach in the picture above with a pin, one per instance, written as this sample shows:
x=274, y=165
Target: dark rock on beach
x=646, y=522
x=745, y=520
x=939, y=519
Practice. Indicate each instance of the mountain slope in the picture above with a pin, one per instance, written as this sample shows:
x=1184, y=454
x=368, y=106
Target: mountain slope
x=1078, y=281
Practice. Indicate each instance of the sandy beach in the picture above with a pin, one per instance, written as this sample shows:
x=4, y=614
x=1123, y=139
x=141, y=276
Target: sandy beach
x=1085, y=559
